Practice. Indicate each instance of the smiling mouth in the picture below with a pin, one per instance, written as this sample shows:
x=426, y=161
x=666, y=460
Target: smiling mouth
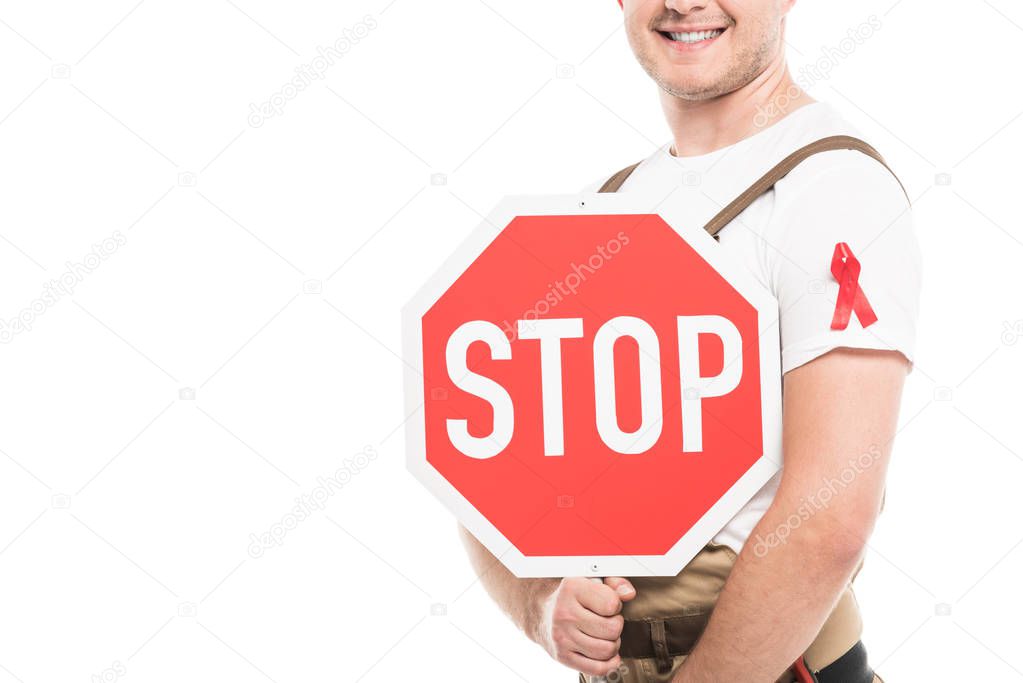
x=693, y=37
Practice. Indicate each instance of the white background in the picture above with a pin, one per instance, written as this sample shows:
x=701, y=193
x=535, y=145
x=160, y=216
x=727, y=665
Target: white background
x=127, y=510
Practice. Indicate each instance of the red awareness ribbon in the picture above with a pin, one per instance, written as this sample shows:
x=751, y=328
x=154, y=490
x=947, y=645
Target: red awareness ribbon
x=846, y=270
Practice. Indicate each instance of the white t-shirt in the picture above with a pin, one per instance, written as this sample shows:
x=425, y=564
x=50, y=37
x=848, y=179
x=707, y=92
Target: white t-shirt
x=787, y=237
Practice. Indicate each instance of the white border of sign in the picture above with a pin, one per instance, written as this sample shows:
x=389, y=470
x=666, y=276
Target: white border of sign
x=632, y=202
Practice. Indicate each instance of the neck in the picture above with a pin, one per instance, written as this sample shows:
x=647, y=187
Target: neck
x=704, y=126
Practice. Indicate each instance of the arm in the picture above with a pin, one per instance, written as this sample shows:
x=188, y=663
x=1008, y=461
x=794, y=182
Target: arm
x=837, y=408
x=575, y=620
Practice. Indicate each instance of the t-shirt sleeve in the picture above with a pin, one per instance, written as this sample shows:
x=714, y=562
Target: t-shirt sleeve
x=849, y=198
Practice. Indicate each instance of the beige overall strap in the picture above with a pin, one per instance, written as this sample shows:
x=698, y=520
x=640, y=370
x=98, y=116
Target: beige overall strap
x=768, y=180
x=614, y=182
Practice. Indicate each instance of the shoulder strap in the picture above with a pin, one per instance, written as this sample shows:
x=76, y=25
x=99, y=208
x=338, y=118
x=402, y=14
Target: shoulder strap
x=768, y=180
x=614, y=182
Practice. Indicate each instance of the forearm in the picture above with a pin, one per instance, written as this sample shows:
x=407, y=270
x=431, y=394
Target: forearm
x=521, y=599
x=775, y=602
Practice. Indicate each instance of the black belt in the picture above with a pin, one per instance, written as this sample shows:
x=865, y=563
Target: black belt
x=852, y=667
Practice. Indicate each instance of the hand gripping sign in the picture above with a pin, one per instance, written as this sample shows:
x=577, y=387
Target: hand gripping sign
x=592, y=390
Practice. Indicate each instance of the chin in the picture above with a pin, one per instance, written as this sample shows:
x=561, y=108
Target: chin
x=693, y=89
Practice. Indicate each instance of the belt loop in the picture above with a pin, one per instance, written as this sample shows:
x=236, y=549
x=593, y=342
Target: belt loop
x=660, y=641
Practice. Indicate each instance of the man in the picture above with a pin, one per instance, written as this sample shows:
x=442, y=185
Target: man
x=783, y=564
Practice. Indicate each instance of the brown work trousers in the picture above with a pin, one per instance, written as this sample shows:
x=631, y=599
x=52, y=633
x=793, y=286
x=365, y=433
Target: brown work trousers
x=686, y=601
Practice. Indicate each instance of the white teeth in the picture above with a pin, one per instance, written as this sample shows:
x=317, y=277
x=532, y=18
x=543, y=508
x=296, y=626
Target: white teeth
x=695, y=36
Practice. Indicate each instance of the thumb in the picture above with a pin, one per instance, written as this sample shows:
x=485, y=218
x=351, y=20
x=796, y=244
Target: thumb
x=623, y=587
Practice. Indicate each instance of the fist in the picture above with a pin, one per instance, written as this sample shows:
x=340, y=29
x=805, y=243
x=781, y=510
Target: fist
x=582, y=623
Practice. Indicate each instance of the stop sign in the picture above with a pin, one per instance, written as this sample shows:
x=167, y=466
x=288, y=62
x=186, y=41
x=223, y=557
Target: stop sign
x=592, y=390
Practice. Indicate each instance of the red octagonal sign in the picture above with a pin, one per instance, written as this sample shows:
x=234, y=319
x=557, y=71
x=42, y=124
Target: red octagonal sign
x=592, y=391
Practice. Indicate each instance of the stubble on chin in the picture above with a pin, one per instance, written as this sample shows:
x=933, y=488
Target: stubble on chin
x=744, y=65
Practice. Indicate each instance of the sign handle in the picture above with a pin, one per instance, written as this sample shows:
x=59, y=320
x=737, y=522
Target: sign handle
x=597, y=679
